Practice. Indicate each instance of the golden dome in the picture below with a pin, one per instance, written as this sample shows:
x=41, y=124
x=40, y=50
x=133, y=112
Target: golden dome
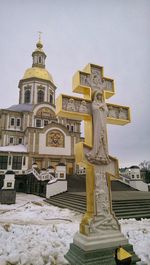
x=38, y=72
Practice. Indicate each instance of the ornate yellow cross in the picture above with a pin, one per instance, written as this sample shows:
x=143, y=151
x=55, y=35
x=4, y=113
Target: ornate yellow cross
x=90, y=82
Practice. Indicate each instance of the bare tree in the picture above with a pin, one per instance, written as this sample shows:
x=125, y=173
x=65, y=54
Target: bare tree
x=145, y=165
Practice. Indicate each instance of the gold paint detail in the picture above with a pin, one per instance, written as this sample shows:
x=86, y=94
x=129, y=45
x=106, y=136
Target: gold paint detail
x=38, y=72
x=55, y=138
x=122, y=254
x=45, y=113
x=91, y=78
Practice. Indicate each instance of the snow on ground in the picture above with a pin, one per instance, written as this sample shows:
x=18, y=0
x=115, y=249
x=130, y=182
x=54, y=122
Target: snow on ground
x=33, y=232
x=138, y=233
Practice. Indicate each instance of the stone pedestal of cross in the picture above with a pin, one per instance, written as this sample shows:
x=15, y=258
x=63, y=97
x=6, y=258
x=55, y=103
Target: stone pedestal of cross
x=99, y=229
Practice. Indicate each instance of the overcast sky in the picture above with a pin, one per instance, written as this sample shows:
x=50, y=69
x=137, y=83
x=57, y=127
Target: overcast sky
x=111, y=33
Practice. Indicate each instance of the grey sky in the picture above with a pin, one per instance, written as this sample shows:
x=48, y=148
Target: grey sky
x=111, y=33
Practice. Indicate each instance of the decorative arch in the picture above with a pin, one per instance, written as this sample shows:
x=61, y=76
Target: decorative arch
x=45, y=112
x=55, y=138
x=27, y=96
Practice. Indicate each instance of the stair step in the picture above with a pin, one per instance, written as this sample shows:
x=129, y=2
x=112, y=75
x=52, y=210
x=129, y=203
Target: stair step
x=70, y=197
x=119, y=204
x=67, y=202
x=137, y=216
x=131, y=207
x=133, y=213
x=123, y=209
x=133, y=203
x=81, y=197
x=65, y=205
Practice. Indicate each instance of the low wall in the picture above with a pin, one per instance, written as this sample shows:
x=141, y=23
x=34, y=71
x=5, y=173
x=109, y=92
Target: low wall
x=55, y=188
x=139, y=185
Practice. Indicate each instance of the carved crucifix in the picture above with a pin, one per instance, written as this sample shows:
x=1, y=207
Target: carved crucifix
x=93, y=153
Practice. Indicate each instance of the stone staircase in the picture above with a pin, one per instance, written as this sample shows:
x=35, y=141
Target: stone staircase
x=127, y=208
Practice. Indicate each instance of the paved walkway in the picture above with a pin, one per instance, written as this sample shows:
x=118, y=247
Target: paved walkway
x=124, y=195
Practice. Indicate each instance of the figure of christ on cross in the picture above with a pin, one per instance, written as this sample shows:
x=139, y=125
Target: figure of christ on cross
x=93, y=153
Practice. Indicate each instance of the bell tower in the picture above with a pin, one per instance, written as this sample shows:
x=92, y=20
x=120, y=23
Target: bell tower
x=37, y=85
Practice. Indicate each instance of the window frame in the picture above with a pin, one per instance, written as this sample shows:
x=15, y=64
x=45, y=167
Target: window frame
x=20, y=138
x=27, y=97
x=11, y=138
x=40, y=60
x=72, y=128
x=46, y=123
x=40, y=96
x=3, y=162
x=12, y=119
x=17, y=164
x=37, y=120
x=51, y=98
x=18, y=119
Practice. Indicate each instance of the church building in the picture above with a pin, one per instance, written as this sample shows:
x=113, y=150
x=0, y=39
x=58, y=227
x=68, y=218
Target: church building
x=30, y=132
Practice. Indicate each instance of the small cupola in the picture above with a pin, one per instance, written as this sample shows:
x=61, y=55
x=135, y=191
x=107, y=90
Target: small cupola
x=39, y=55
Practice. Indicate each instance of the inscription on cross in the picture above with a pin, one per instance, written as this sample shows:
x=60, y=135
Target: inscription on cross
x=93, y=153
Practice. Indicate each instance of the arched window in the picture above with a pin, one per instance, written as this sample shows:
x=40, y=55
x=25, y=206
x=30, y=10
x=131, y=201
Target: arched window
x=51, y=98
x=72, y=128
x=40, y=96
x=27, y=96
x=40, y=59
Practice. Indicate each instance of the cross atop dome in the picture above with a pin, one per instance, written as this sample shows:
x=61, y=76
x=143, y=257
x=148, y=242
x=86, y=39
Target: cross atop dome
x=39, y=44
x=40, y=32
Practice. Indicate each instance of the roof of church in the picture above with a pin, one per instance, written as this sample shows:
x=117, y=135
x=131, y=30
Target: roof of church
x=134, y=167
x=38, y=69
x=21, y=107
x=9, y=172
x=61, y=164
x=19, y=148
x=38, y=72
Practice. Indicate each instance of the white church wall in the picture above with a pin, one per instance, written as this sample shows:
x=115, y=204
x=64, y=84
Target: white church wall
x=133, y=173
x=9, y=181
x=61, y=172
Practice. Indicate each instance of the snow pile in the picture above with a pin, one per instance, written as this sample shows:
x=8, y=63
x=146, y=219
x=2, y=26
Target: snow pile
x=35, y=233
x=36, y=245
x=38, y=213
x=138, y=233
